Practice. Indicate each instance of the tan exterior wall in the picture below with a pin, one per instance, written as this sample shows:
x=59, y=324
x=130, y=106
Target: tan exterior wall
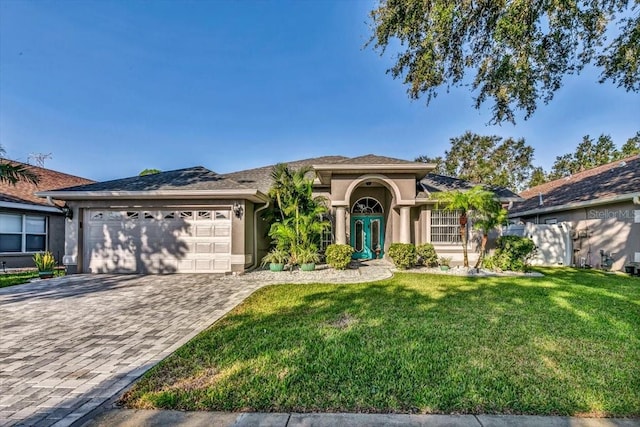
x=403, y=184
x=610, y=228
x=249, y=209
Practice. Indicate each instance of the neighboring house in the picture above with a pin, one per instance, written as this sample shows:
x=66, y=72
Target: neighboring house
x=195, y=220
x=602, y=206
x=29, y=224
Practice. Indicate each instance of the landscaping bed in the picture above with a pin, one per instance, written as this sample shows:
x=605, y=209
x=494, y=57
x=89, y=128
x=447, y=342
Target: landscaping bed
x=23, y=276
x=18, y=278
x=563, y=344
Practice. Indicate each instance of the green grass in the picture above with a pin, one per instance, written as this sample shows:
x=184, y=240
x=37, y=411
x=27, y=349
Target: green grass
x=10, y=279
x=565, y=344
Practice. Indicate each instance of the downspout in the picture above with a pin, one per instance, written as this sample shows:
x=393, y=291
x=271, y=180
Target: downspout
x=255, y=236
x=50, y=201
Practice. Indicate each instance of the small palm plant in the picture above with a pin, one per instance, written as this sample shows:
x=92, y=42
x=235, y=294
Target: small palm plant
x=45, y=263
x=276, y=259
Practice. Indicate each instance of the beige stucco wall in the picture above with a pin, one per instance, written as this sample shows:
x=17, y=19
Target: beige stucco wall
x=403, y=184
x=73, y=228
x=608, y=227
x=249, y=208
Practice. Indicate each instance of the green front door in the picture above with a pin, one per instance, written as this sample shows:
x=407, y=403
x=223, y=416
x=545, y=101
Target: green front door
x=367, y=235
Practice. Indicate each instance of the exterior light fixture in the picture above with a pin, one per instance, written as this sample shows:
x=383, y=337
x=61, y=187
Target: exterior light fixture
x=237, y=209
x=67, y=211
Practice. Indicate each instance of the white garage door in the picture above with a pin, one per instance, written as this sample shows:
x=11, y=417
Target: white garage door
x=162, y=241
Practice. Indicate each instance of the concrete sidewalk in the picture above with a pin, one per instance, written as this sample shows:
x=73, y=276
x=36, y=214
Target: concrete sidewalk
x=140, y=418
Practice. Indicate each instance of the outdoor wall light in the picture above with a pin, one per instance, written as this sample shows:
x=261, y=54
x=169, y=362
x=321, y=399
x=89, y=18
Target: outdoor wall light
x=237, y=209
x=67, y=211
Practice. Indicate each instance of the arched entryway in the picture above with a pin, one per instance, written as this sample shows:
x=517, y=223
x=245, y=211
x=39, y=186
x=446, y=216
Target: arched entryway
x=367, y=228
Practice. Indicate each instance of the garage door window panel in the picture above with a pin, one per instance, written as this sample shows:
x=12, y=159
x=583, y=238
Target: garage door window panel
x=222, y=214
x=204, y=215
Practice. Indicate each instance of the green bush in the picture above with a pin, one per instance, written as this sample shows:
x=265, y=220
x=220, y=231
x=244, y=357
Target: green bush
x=427, y=255
x=338, y=256
x=403, y=255
x=275, y=256
x=512, y=253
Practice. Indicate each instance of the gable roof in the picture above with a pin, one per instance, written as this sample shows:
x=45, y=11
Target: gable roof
x=196, y=182
x=24, y=192
x=613, y=181
x=434, y=183
x=194, y=178
x=260, y=178
x=372, y=159
x=200, y=182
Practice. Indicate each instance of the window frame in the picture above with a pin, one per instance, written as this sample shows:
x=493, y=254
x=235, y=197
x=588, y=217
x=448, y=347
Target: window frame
x=23, y=233
x=453, y=219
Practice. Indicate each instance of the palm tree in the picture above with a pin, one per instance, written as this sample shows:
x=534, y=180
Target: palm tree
x=476, y=199
x=296, y=223
x=488, y=214
x=13, y=173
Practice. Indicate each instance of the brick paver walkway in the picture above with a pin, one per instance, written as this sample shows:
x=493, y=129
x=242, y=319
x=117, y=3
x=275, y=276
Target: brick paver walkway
x=69, y=344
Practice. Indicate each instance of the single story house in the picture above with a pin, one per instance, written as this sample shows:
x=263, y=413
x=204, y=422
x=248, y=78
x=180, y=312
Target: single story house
x=195, y=220
x=30, y=224
x=602, y=207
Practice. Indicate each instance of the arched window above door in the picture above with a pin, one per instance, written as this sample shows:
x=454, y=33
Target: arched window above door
x=367, y=205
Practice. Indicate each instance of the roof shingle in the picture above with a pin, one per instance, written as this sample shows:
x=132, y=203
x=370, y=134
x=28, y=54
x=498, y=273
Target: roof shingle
x=434, y=183
x=23, y=192
x=195, y=178
x=613, y=179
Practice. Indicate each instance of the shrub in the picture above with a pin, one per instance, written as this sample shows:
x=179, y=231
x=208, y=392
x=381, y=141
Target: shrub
x=512, y=253
x=427, y=255
x=307, y=255
x=276, y=256
x=403, y=255
x=44, y=261
x=338, y=256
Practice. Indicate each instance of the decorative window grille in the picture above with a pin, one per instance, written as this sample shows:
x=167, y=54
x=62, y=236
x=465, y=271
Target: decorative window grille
x=148, y=215
x=367, y=205
x=97, y=216
x=445, y=226
x=133, y=215
x=204, y=214
x=169, y=215
x=186, y=214
x=222, y=214
x=114, y=216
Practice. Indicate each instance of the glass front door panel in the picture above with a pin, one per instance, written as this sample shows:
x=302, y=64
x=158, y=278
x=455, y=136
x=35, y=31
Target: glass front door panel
x=375, y=234
x=359, y=236
x=367, y=235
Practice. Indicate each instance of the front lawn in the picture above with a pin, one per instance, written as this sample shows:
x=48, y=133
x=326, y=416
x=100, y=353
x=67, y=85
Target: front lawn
x=10, y=279
x=565, y=344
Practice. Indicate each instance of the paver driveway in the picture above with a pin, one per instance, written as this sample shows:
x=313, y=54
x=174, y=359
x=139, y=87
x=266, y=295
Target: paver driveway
x=68, y=344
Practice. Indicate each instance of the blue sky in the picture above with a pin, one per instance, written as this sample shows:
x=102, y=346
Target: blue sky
x=113, y=87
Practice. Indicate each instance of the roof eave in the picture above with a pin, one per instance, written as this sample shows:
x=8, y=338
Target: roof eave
x=324, y=172
x=248, y=194
x=30, y=207
x=576, y=205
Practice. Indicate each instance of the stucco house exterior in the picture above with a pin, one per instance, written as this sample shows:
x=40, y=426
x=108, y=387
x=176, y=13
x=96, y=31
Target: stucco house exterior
x=195, y=220
x=30, y=224
x=601, y=206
